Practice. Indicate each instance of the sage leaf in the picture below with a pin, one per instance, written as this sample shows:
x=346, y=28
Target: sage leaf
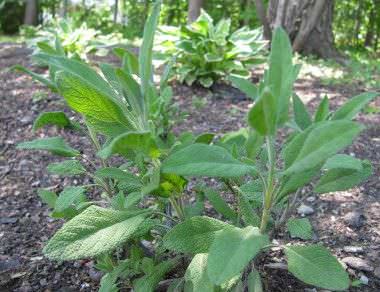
x=219, y=204
x=353, y=106
x=58, y=119
x=67, y=167
x=301, y=115
x=300, y=227
x=196, y=274
x=315, y=265
x=322, y=111
x=254, y=282
x=67, y=197
x=55, y=145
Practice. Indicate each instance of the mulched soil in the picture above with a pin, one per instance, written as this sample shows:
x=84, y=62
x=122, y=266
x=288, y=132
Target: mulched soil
x=341, y=219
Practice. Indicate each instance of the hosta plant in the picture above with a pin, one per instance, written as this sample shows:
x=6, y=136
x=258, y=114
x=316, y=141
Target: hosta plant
x=142, y=229
x=206, y=52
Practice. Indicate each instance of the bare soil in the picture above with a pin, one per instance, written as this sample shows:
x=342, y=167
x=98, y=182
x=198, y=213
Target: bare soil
x=340, y=220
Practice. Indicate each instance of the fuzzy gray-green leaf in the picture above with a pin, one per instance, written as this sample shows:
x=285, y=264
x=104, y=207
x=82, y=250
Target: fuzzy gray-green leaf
x=66, y=168
x=55, y=145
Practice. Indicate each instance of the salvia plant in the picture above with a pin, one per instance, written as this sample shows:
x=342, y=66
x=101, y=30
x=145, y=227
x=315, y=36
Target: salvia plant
x=144, y=228
x=207, y=52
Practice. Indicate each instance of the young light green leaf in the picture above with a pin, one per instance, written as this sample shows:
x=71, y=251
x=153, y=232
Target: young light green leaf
x=37, y=77
x=58, y=119
x=93, y=232
x=245, y=86
x=48, y=197
x=262, y=117
x=55, y=145
x=323, y=110
x=254, y=282
x=145, y=56
x=301, y=115
x=343, y=161
x=341, y=179
x=319, y=143
x=231, y=250
x=67, y=167
x=219, y=204
x=315, y=265
x=194, y=235
x=353, y=106
x=205, y=160
x=68, y=197
x=196, y=274
x=300, y=227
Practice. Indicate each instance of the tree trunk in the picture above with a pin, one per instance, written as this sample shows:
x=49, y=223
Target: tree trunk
x=31, y=12
x=115, y=11
x=194, y=10
x=309, y=25
x=261, y=14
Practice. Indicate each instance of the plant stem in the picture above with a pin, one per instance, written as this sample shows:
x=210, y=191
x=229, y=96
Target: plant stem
x=267, y=204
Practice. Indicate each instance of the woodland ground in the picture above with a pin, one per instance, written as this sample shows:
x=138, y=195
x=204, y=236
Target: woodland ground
x=340, y=220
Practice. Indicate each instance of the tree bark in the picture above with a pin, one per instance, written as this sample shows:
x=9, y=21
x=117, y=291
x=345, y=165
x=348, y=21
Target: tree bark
x=309, y=25
x=31, y=12
x=115, y=11
x=261, y=14
x=194, y=10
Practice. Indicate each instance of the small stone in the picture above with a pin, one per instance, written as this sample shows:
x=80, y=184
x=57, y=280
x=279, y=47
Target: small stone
x=305, y=210
x=377, y=272
x=8, y=220
x=354, y=219
x=43, y=282
x=364, y=280
x=353, y=249
x=358, y=264
x=95, y=275
x=310, y=199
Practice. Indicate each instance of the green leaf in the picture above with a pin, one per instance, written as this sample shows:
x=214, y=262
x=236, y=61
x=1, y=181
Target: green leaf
x=194, y=235
x=353, y=106
x=149, y=282
x=341, y=179
x=300, y=227
x=205, y=138
x=262, y=117
x=58, y=119
x=315, y=265
x=67, y=167
x=281, y=73
x=55, y=145
x=206, y=81
x=232, y=250
x=68, y=197
x=301, y=115
x=219, y=204
x=205, y=160
x=130, y=61
x=343, y=161
x=145, y=56
x=48, y=197
x=321, y=141
x=37, y=77
x=93, y=232
x=196, y=275
x=131, y=141
x=247, y=213
x=246, y=86
x=323, y=110
x=254, y=282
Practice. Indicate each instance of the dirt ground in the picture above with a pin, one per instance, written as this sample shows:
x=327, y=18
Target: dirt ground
x=347, y=222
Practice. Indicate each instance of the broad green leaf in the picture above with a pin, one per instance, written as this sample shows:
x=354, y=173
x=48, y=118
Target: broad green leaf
x=52, y=118
x=131, y=141
x=281, y=73
x=48, y=197
x=205, y=160
x=126, y=180
x=353, y=106
x=194, y=235
x=247, y=213
x=315, y=265
x=222, y=30
x=246, y=86
x=253, y=144
x=262, y=117
x=323, y=140
x=93, y=232
x=254, y=282
x=343, y=161
x=300, y=227
x=322, y=111
x=205, y=138
x=149, y=282
x=67, y=167
x=68, y=197
x=219, y=204
x=37, y=77
x=231, y=250
x=55, y=145
x=196, y=275
x=301, y=115
x=206, y=81
x=145, y=56
x=341, y=179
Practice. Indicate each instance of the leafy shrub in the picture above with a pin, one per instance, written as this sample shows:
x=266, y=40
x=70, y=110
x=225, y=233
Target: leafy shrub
x=76, y=41
x=207, y=53
x=12, y=15
x=142, y=227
